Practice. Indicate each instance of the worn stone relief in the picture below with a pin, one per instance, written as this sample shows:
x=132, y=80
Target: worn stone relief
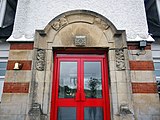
x=40, y=59
x=120, y=60
x=36, y=113
x=100, y=23
x=60, y=23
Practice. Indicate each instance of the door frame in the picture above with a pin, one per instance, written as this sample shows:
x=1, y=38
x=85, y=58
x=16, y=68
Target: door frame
x=84, y=53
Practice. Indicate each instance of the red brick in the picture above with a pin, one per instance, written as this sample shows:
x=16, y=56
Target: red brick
x=141, y=65
x=135, y=46
x=26, y=64
x=144, y=87
x=16, y=87
x=21, y=46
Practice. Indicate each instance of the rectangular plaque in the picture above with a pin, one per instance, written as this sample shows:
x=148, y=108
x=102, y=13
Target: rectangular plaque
x=80, y=40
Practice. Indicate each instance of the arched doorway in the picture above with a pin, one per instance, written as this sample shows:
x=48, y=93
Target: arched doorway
x=79, y=37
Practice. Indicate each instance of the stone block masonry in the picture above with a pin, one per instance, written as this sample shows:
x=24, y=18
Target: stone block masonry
x=144, y=89
x=17, y=82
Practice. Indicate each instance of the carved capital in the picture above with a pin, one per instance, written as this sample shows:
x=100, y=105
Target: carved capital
x=120, y=60
x=40, y=59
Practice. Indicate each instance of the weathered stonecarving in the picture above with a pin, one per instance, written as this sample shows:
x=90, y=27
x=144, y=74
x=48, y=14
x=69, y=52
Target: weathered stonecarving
x=120, y=60
x=40, y=63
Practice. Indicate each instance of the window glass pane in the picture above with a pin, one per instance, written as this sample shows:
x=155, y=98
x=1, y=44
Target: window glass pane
x=93, y=113
x=157, y=65
x=156, y=54
x=4, y=53
x=157, y=72
x=66, y=113
x=68, y=79
x=92, y=79
x=3, y=64
x=2, y=72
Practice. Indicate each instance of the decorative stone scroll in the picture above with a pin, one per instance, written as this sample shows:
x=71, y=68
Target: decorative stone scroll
x=36, y=113
x=120, y=63
x=60, y=23
x=40, y=59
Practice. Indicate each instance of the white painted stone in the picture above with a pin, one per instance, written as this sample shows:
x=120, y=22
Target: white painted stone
x=126, y=15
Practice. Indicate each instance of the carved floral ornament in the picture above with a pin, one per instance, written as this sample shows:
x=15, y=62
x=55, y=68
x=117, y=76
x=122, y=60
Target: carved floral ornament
x=40, y=62
x=63, y=22
x=120, y=59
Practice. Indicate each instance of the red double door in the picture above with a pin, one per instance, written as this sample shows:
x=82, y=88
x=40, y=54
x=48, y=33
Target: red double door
x=80, y=88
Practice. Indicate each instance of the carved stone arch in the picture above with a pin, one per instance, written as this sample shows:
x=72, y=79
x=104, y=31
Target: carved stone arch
x=61, y=32
x=98, y=30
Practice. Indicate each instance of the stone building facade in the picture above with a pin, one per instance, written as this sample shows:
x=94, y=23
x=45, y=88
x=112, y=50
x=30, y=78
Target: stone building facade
x=46, y=32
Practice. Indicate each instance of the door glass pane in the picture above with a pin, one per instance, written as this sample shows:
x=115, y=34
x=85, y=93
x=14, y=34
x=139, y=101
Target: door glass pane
x=92, y=79
x=93, y=113
x=66, y=113
x=67, y=79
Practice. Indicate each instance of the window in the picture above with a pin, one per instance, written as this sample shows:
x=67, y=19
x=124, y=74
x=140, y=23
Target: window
x=157, y=73
x=152, y=8
x=156, y=60
x=4, y=51
x=158, y=8
x=2, y=11
x=7, y=15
